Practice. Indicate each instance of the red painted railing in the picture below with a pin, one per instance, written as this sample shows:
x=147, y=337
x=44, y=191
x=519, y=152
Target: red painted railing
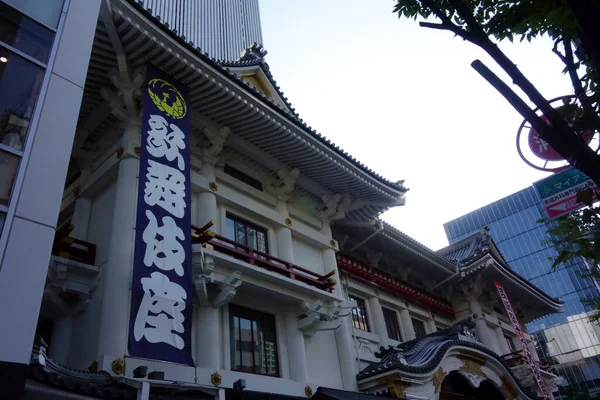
x=73, y=249
x=260, y=259
x=387, y=281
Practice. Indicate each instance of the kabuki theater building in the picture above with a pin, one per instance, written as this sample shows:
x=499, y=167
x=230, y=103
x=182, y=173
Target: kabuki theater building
x=171, y=228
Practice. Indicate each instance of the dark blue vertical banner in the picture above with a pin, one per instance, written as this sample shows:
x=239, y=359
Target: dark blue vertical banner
x=160, y=325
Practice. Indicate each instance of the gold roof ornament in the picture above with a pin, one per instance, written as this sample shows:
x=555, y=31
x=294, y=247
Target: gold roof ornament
x=438, y=378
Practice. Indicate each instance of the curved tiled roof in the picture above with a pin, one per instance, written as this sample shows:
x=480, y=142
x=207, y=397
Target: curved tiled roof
x=424, y=250
x=220, y=66
x=474, y=247
x=425, y=354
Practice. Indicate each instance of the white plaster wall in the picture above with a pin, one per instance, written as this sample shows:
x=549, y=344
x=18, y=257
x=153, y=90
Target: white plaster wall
x=101, y=222
x=84, y=337
x=322, y=360
x=308, y=256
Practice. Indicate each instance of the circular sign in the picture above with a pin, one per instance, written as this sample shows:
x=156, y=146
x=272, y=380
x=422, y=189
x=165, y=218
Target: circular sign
x=538, y=153
x=540, y=147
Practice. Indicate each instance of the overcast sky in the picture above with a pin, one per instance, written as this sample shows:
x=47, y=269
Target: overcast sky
x=405, y=101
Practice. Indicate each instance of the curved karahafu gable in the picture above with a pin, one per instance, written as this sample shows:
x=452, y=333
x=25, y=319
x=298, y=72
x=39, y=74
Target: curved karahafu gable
x=477, y=258
x=418, y=367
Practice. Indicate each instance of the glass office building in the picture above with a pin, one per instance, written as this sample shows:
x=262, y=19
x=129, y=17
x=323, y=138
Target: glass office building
x=567, y=340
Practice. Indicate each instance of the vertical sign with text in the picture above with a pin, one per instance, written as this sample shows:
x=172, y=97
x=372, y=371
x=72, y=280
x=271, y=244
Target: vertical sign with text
x=558, y=192
x=535, y=369
x=162, y=295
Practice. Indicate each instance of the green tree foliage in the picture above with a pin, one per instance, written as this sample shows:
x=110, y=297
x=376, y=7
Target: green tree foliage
x=572, y=24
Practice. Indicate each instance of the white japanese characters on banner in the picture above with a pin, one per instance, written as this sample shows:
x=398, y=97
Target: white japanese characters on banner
x=162, y=296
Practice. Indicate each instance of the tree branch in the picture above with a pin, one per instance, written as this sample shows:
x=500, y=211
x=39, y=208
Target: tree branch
x=432, y=25
x=561, y=137
x=446, y=24
x=569, y=60
x=518, y=104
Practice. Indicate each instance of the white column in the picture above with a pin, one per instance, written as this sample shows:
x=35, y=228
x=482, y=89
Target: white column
x=378, y=321
x=496, y=343
x=207, y=210
x=296, y=348
x=208, y=318
x=347, y=352
x=207, y=201
x=530, y=344
x=143, y=392
x=408, y=330
x=502, y=341
x=81, y=218
x=114, y=317
x=285, y=246
x=533, y=351
x=481, y=327
x=61, y=339
x=432, y=327
x=209, y=338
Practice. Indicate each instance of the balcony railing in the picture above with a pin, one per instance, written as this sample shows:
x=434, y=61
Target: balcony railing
x=261, y=259
x=73, y=249
x=387, y=281
x=517, y=358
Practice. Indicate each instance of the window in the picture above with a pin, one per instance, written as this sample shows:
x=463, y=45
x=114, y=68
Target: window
x=20, y=82
x=45, y=11
x=511, y=344
x=8, y=170
x=247, y=179
x=253, y=341
x=419, y=328
x=24, y=34
x=247, y=234
x=359, y=315
x=391, y=323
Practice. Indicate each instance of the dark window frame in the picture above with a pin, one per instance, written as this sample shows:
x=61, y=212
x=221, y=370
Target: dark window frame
x=360, y=319
x=511, y=344
x=422, y=331
x=392, y=324
x=246, y=224
x=243, y=177
x=236, y=311
x=26, y=35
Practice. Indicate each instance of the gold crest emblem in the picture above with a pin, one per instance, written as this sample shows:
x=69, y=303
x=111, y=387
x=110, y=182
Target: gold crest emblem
x=118, y=366
x=167, y=98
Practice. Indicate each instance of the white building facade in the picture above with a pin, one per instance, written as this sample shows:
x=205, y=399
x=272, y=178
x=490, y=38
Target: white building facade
x=295, y=286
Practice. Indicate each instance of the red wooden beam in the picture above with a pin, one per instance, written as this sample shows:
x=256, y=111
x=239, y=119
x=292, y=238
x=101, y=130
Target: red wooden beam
x=395, y=285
